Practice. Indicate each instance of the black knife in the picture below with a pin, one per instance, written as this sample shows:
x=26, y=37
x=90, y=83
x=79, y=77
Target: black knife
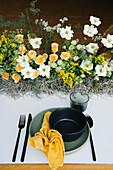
x=21, y=125
x=26, y=138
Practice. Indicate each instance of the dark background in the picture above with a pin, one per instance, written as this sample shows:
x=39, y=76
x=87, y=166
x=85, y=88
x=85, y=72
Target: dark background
x=78, y=11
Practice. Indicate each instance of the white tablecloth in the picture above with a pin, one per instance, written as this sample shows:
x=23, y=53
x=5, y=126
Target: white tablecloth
x=99, y=107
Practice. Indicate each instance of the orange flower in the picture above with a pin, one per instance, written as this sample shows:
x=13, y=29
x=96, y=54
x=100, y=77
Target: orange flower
x=65, y=55
x=16, y=77
x=40, y=60
x=28, y=58
x=19, y=68
x=70, y=54
x=53, y=57
x=54, y=47
x=5, y=76
x=22, y=49
x=36, y=74
x=19, y=38
x=29, y=36
x=16, y=59
x=32, y=54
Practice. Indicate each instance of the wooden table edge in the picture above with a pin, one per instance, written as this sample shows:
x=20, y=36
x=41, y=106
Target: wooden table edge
x=64, y=167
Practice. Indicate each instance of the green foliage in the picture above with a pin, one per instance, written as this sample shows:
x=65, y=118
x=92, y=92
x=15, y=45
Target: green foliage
x=78, y=27
x=24, y=19
x=33, y=10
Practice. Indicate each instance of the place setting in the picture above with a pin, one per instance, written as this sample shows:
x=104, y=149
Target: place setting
x=64, y=129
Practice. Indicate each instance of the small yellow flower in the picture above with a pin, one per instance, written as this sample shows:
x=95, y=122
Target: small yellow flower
x=0, y=43
x=53, y=57
x=5, y=76
x=65, y=55
x=12, y=45
x=54, y=47
x=1, y=56
x=40, y=60
x=16, y=77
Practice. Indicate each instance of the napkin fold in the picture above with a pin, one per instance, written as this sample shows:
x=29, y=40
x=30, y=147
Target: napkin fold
x=50, y=142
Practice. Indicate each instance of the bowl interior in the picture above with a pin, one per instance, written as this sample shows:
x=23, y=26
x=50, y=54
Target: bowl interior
x=67, y=121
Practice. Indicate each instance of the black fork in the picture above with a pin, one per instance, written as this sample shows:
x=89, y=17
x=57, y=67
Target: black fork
x=21, y=125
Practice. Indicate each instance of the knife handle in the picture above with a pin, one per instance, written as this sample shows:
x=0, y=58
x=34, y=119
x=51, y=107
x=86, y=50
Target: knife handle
x=92, y=148
x=16, y=146
x=26, y=138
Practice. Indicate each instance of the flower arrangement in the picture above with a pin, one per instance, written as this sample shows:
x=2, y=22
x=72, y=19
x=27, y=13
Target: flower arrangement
x=52, y=53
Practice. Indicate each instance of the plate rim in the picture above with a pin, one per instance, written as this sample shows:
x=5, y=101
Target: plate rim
x=67, y=152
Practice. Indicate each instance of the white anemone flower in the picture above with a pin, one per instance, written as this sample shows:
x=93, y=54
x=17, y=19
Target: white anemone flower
x=66, y=33
x=28, y=72
x=86, y=65
x=90, y=30
x=35, y=42
x=23, y=61
x=44, y=70
x=92, y=47
x=101, y=70
x=110, y=66
x=95, y=21
x=108, y=42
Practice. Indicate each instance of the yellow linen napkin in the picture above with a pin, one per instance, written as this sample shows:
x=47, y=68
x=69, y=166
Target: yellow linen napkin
x=50, y=142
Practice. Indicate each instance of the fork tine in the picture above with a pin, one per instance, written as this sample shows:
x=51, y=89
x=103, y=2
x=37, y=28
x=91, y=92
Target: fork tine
x=22, y=121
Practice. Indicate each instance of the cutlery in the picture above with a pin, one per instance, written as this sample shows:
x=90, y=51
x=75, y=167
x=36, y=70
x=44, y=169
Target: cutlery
x=26, y=138
x=90, y=122
x=20, y=126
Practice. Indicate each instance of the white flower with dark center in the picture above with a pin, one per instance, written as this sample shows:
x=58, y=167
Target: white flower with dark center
x=90, y=30
x=92, y=47
x=101, y=70
x=23, y=61
x=95, y=21
x=86, y=65
x=28, y=72
x=108, y=42
x=35, y=42
x=44, y=70
x=66, y=33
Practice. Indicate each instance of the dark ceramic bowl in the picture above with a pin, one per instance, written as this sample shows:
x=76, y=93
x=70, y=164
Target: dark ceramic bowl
x=69, y=122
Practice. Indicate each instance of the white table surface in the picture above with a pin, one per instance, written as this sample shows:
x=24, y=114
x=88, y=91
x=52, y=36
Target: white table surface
x=99, y=107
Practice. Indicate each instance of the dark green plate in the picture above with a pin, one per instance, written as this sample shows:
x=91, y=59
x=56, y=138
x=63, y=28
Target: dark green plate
x=36, y=124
